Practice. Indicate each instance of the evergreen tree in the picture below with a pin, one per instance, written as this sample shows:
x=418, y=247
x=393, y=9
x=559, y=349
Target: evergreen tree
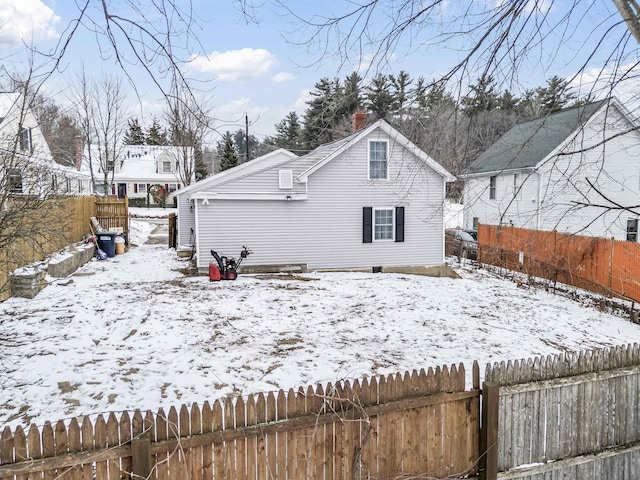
x=320, y=117
x=378, y=97
x=555, y=95
x=482, y=98
x=134, y=134
x=227, y=152
x=240, y=141
x=507, y=102
x=352, y=94
x=289, y=133
x=156, y=135
x=401, y=85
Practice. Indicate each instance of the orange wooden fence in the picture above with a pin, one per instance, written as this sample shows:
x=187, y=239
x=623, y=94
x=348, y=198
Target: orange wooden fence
x=420, y=423
x=605, y=266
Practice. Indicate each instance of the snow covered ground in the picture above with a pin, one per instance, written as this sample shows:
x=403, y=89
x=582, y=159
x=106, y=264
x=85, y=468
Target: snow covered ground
x=136, y=331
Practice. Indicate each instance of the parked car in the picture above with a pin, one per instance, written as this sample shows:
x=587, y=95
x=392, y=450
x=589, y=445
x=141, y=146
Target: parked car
x=462, y=243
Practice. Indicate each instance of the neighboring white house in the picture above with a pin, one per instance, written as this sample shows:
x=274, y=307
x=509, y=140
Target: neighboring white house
x=572, y=171
x=370, y=200
x=26, y=164
x=139, y=167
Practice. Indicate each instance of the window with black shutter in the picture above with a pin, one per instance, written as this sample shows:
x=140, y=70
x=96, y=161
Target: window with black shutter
x=399, y=224
x=367, y=227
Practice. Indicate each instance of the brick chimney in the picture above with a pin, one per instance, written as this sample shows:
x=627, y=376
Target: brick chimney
x=358, y=121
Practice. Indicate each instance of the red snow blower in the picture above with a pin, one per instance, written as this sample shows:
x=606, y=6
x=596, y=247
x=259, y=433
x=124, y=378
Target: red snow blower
x=226, y=268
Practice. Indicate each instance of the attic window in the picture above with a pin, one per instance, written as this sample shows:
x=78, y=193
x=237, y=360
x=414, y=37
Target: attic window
x=286, y=179
x=25, y=139
x=166, y=166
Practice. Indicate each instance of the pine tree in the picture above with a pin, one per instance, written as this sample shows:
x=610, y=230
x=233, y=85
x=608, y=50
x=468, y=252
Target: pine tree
x=134, y=135
x=289, y=132
x=378, y=96
x=227, y=152
x=482, y=98
x=320, y=117
x=401, y=85
x=156, y=135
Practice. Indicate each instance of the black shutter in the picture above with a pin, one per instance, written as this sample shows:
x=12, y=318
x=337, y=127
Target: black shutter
x=367, y=227
x=399, y=224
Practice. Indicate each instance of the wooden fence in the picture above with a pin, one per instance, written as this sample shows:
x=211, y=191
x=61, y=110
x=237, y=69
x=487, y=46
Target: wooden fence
x=605, y=266
x=419, y=423
x=571, y=416
x=56, y=224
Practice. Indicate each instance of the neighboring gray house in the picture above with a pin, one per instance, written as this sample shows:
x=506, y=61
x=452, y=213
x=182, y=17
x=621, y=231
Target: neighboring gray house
x=570, y=171
x=372, y=199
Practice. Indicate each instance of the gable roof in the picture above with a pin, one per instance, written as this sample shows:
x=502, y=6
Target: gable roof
x=528, y=143
x=264, y=162
x=326, y=153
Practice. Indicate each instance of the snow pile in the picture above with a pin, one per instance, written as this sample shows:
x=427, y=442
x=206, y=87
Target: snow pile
x=134, y=331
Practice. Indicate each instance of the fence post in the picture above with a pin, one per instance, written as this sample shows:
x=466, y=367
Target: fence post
x=489, y=432
x=141, y=456
x=172, y=230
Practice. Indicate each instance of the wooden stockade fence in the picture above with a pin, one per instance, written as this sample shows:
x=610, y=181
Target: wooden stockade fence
x=419, y=423
x=56, y=224
x=605, y=266
x=570, y=416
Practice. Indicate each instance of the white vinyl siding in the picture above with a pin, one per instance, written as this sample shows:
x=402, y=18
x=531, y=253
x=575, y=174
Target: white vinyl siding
x=325, y=230
x=553, y=196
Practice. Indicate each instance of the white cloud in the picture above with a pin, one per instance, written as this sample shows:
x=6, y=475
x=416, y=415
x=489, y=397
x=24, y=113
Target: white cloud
x=300, y=105
x=234, y=65
x=621, y=81
x=283, y=77
x=26, y=21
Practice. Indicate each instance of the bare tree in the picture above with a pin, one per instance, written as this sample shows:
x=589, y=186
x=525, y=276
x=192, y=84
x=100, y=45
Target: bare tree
x=188, y=119
x=102, y=119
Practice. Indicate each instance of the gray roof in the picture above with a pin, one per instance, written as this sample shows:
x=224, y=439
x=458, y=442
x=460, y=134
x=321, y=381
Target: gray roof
x=528, y=143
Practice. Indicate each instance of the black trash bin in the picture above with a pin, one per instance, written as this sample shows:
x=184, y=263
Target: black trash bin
x=107, y=243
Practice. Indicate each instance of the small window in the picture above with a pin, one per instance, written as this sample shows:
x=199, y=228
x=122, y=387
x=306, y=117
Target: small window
x=378, y=161
x=80, y=186
x=632, y=230
x=516, y=184
x=173, y=187
x=68, y=189
x=492, y=187
x=142, y=188
x=474, y=223
x=166, y=166
x=25, y=139
x=110, y=165
x=383, y=224
x=15, y=181
x=54, y=183
x=285, y=179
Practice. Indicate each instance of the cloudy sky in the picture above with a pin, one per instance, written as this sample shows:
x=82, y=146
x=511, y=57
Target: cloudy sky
x=260, y=63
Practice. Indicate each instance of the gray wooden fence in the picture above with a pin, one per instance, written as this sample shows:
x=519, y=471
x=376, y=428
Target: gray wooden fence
x=571, y=416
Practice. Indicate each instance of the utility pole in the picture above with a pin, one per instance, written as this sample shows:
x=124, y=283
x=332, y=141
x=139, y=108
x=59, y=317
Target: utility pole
x=246, y=135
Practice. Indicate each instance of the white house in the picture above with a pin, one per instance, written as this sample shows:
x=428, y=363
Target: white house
x=573, y=171
x=370, y=200
x=138, y=168
x=26, y=164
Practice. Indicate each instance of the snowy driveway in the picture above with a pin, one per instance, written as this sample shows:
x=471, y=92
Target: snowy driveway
x=134, y=332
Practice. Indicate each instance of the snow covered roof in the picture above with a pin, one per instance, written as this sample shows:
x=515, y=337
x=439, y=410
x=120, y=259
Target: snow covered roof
x=140, y=162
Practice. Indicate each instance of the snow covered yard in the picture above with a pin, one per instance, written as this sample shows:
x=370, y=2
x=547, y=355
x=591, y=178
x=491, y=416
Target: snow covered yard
x=136, y=332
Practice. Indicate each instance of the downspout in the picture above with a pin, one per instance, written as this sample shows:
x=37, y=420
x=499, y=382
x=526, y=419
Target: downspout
x=196, y=236
x=538, y=200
